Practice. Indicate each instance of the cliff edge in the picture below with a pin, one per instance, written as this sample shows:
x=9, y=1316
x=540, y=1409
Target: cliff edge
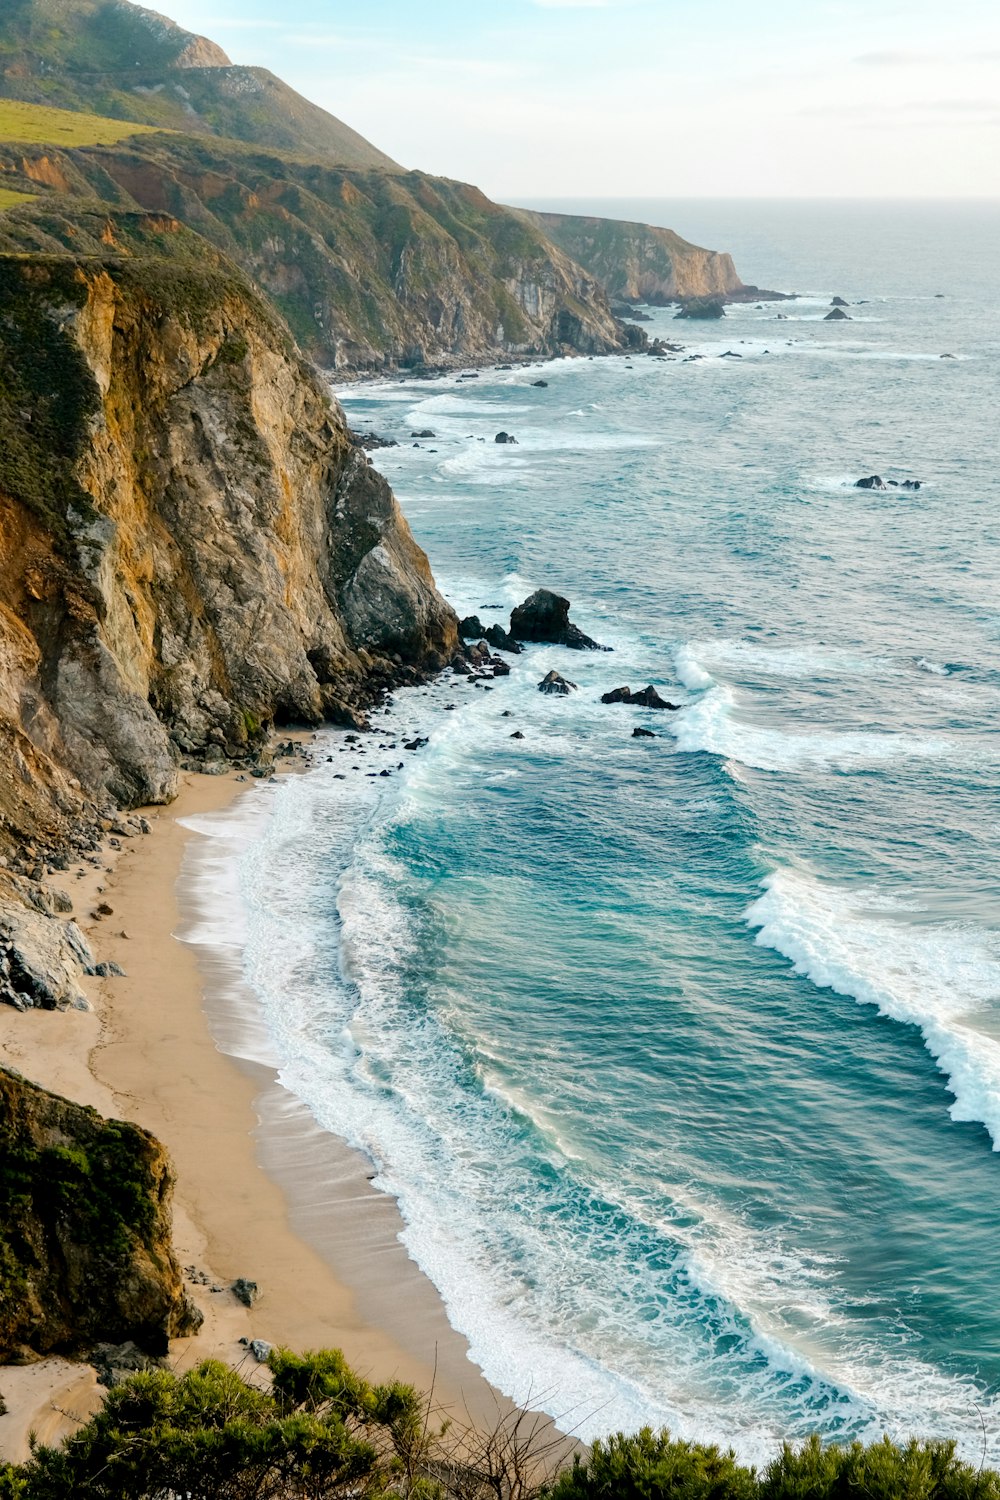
x=85, y=1253
x=191, y=550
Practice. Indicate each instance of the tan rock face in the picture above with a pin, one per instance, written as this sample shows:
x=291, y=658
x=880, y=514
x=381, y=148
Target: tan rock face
x=227, y=555
x=85, y=1253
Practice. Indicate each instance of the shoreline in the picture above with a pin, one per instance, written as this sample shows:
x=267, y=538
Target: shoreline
x=262, y=1191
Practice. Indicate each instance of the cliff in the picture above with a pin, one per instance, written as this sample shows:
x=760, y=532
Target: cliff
x=370, y=268
x=190, y=548
x=85, y=1253
x=109, y=57
x=638, y=262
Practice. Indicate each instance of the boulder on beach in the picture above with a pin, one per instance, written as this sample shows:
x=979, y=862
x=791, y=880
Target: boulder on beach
x=544, y=617
x=553, y=682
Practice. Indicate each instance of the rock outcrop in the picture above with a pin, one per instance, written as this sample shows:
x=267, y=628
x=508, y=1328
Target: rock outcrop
x=370, y=268
x=639, y=262
x=544, y=617
x=192, y=548
x=85, y=1254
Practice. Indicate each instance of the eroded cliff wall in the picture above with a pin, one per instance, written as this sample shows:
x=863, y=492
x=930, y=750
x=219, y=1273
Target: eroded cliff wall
x=190, y=548
x=639, y=262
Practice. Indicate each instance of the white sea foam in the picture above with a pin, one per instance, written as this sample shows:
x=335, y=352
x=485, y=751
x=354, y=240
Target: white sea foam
x=943, y=978
x=713, y=724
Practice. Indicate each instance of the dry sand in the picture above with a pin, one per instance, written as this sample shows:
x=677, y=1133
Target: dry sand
x=261, y=1191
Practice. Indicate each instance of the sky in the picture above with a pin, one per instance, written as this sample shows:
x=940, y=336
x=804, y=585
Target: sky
x=647, y=98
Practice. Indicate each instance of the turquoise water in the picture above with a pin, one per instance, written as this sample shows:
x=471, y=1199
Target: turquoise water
x=682, y=1055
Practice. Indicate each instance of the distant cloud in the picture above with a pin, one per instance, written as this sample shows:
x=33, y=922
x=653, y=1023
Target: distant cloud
x=890, y=59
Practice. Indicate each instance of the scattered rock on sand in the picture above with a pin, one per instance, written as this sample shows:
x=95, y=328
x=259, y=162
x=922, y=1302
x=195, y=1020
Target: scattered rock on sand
x=245, y=1291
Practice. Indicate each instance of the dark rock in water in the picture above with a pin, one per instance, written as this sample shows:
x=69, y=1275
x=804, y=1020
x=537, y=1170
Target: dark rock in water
x=871, y=482
x=643, y=734
x=517, y=735
x=647, y=698
x=910, y=484
x=505, y=437
x=245, y=1291
x=371, y=440
x=479, y=654
x=947, y=356
x=837, y=315
x=626, y=310
x=426, y=433
x=461, y=666
x=472, y=628
x=650, y=698
x=703, y=308
x=544, y=617
x=552, y=682
x=730, y=354
x=540, y=384
x=416, y=744
x=501, y=640
x=839, y=302
x=500, y=668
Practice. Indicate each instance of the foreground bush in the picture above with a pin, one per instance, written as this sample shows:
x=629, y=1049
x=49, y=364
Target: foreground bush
x=320, y=1432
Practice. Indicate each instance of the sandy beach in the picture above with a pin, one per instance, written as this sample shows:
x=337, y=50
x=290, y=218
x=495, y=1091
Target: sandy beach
x=261, y=1192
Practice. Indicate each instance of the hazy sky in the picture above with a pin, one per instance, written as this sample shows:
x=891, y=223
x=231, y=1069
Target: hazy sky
x=651, y=98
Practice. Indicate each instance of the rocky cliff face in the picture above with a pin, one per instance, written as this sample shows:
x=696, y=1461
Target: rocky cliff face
x=370, y=268
x=638, y=262
x=85, y=1253
x=190, y=548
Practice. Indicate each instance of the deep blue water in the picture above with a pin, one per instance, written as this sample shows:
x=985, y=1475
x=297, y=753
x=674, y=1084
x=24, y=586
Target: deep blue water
x=682, y=1055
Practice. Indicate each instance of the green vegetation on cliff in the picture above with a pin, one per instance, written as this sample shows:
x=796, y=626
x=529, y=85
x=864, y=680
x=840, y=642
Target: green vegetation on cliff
x=322, y=1431
x=108, y=57
x=85, y=1248
x=368, y=267
x=37, y=124
x=639, y=262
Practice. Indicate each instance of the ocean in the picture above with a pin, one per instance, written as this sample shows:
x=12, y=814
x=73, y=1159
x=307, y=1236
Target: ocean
x=681, y=1055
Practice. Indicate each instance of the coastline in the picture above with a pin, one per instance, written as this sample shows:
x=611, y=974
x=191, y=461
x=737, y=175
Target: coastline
x=262, y=1192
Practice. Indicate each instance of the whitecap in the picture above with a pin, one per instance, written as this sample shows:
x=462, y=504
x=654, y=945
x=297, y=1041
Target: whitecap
x=943, y=978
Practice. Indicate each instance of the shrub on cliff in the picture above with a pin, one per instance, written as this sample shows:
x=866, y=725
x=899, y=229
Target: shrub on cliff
x=320, y=1430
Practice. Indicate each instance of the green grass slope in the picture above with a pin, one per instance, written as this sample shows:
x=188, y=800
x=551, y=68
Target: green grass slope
x=112, y=58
